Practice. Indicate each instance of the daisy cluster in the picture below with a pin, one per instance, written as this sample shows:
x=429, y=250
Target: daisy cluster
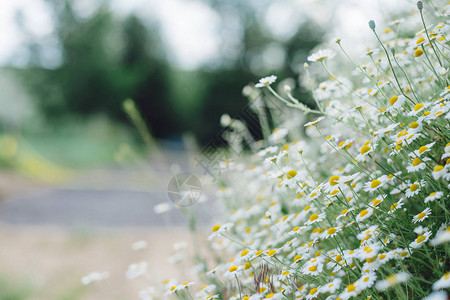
x=358, y=206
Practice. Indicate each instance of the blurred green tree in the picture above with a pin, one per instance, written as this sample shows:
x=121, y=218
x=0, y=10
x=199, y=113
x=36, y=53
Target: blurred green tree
x=106, y=59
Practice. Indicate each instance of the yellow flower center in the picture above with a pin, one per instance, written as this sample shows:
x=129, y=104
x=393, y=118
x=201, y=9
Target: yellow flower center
x=331, y=230
x=365, y=149
x=216, y=227
x=414, y=125
x=313, y=291
x=421, y=215
x=418, y=53
x=375, y=183
x=338, y=258
x=414, y=187
x=334, y=192
x=418, y=106
x=271, y=252
x=334, y=180
x=402, y=133
x=363, y=213
x=312, y=268
x=313, y=217
x=297, y=257
x=416, y=161
x=233, y=268
x=438, y=168
x=375, y=202
x=244, y=252
x=291, y=174
x=393, y=100
x=423, y=149
x=420, y=239
x=351, y=288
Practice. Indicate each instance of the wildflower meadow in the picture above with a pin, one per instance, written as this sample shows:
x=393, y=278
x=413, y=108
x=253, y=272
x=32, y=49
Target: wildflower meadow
x=346, y=196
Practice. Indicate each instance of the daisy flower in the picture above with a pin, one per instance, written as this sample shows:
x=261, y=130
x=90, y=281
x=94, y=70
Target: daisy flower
x=417, y=165
x=330, y=232
x=314, y=123
x=376, y=201
x=292, y=178
x=375, y=184
x=284, y=275
x=332, y=286
x=315, y=218
x=312, y=267
x=313, y=293
x=396, y=205
x=232, y=271
x=418, y=108
x=266, y=81
x=392, y=280
x=278, y=135
x=422, y=216
x=433, y=196
x=442, y=236
x=184, y=285
x=423, y=149
x=413, y=190
x=217, y=230
x=439, y=171
x=420, y=240
x=366, y=281
x=441, y=295
x=344, y=213
x=369, y=251
x=443, y=282
x=385, y=257
x=364, y=214
x=321, y=55
x=349, y=291
x=396, y=102
x=364, y=151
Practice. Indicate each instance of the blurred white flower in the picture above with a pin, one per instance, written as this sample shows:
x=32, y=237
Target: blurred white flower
x=93, y=277
x=266, y=81
x=139, y=245
x=322, y=55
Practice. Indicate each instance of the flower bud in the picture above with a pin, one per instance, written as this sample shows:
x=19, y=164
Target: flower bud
x=305, y=66
x=420, y=5
x=287, y=89
x=372, y=24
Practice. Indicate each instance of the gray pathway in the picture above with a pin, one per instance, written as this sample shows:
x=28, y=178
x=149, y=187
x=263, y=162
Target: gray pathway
x=92, y=208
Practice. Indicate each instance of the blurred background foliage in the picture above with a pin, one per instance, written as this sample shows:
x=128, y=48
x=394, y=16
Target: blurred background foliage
x=105, y=58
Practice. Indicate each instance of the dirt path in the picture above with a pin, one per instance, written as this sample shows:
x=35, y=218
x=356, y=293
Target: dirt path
x=49, y=262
